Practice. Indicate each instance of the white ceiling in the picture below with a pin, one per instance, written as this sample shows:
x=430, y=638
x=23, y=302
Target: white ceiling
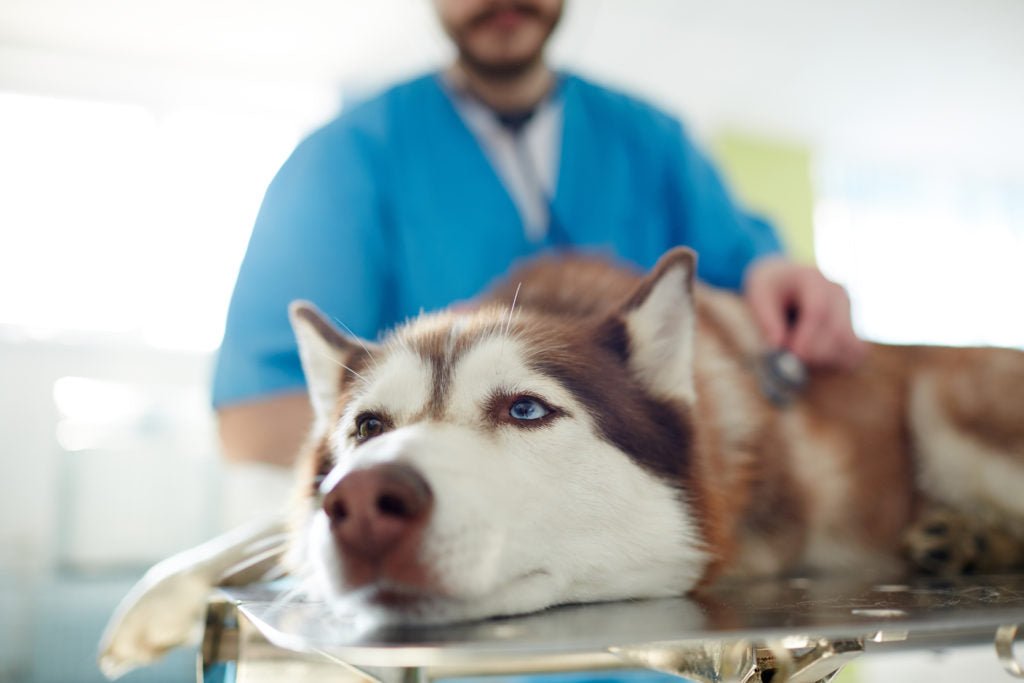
x=935, y=80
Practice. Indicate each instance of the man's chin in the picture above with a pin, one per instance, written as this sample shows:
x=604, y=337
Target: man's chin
x=498, y=54
x=500, y=69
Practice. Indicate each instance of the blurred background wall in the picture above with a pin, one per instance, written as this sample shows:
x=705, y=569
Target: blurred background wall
x=137, y=137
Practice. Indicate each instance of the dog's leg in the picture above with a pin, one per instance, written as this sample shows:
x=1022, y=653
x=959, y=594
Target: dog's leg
x=967, y=424
x=164, y=609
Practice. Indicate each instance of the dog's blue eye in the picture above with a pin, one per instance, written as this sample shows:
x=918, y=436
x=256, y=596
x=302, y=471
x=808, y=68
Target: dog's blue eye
x=528, y=409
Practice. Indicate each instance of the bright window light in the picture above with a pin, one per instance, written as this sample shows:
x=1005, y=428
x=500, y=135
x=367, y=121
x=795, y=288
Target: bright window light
x=105, y=415
x=927, y=257
x=119, y=221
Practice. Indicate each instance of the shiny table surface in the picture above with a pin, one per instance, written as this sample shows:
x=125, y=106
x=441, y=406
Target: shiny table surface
x=919, y=611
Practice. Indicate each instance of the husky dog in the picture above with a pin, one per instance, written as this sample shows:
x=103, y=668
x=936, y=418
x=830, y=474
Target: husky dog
x=590, y=433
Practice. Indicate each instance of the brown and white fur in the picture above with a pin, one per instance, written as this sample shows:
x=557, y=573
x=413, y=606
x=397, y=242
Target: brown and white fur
x=605, y=438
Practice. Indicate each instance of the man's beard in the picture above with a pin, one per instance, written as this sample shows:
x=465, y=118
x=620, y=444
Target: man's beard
x=502, y=71
x=505, y=69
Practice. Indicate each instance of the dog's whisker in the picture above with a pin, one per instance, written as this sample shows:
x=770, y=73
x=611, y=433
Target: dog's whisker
x=338, y=362
x=512, y=308
x=290, y=595
x=357, y=339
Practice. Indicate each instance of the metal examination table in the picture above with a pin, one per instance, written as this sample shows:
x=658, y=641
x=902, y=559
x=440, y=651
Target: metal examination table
x=796, y=630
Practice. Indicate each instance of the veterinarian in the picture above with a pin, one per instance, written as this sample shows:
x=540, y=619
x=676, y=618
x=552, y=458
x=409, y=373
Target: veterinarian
x=423, y=195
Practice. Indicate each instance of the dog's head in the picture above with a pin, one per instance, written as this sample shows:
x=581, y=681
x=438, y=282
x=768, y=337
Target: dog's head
x=505, y=460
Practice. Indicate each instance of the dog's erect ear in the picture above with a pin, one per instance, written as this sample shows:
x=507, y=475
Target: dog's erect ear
x=660, y=318
x=329, y=357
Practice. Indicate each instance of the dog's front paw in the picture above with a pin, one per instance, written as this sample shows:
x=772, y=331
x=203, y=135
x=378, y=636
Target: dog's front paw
x=941, y=542
x=945, y=542
x=162, y=611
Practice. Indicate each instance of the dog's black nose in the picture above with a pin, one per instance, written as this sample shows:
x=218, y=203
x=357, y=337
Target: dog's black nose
x=372, y=510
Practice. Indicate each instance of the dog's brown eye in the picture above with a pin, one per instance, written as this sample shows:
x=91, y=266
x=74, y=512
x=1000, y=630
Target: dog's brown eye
x=368, y=426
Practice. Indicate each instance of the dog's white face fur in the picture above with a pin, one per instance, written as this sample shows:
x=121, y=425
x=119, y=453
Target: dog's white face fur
x=532, y=503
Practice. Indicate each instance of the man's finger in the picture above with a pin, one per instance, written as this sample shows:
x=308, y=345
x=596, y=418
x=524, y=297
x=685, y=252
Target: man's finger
x=833, y=341
x=831, y=346
x=812, y=324
x=768, y=306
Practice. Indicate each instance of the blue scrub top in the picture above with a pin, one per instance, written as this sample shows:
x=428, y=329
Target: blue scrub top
x=393, y=208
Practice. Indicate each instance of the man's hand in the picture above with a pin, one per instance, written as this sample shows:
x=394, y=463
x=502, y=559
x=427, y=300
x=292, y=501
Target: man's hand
x=798, y=309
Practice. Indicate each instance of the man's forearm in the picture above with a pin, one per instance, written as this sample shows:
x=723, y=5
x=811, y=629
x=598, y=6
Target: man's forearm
x=269, y=430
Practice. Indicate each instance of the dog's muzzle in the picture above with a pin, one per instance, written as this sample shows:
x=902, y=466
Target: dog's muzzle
x=377, y=517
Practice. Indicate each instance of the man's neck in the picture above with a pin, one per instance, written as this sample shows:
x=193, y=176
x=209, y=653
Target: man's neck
x=506, y=95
